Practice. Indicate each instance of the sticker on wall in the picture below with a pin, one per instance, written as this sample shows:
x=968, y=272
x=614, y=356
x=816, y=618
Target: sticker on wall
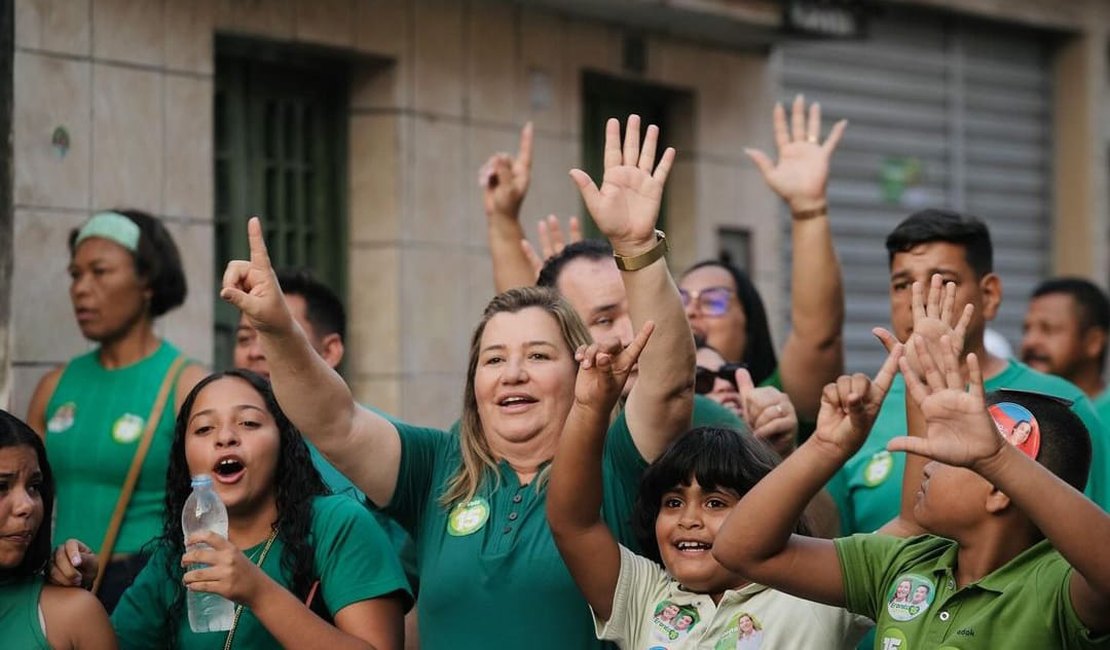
x=60, y=141
x=1018, y=426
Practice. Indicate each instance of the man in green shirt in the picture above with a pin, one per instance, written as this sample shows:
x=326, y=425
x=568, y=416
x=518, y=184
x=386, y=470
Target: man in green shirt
x=1066, y=332
x=957, y=248
x=1008, y=561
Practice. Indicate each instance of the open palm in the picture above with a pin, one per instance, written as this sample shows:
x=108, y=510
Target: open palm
x=958, y=429
x=626, y=206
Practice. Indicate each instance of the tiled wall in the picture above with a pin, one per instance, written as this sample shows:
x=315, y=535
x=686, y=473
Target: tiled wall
x=437, y=86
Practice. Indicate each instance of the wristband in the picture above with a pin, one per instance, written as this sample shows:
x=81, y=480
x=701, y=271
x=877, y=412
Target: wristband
x=637, y=262
x=803, y=215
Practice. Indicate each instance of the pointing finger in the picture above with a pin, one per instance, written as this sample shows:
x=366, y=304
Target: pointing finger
x=260, y=257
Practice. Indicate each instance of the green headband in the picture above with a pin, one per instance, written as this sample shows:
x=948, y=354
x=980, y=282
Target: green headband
x=112, y=226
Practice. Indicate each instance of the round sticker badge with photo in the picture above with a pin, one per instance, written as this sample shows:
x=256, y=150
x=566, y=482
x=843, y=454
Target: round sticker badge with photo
x=127, y=428
x=468, y=518
x=63, y=418
x=878, y=468
x=909, y=596
x=1018, y=426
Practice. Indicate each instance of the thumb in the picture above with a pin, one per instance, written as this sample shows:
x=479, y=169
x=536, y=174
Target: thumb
x=761, y=161
x=588, y=189
x=885, y=337
x=744, y=383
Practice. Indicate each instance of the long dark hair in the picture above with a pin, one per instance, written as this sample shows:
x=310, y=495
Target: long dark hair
x=718, y=457
x=297, y=483
x=15, y=433
x=759, y=348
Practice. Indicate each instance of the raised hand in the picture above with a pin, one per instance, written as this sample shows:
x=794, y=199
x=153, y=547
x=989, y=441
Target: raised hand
x=958, y=429
x=603, y=370
x=934, y=318
x=801, y=174
x=229, y=573
x=552, y=241
x=850, y=405
x=504, y=179
x=768, y=412
x=252, y=286
x=626, y=206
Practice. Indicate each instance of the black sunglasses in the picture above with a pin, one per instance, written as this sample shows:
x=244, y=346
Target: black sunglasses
x=704, y=378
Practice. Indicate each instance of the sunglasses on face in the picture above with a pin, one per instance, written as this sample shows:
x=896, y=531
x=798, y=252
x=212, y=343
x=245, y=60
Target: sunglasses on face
x=704, y=378
x=711, y=301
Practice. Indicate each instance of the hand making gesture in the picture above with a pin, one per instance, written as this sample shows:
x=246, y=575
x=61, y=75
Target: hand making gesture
x=850, y=405
x=505, y=179
x=958, y=429
x=935, y=317
x=802, y=172
x=252, y=286
x=626, y=206
x=603, y=369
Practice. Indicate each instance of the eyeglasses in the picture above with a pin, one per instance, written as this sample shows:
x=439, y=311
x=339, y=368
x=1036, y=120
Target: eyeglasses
x=704, y=378
x=711, y=301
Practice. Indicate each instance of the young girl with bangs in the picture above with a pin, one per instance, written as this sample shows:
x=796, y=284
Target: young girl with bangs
x=684, y=497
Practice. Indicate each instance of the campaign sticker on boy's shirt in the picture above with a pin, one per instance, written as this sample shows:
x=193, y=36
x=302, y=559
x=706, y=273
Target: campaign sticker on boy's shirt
x=745, y=632
x=909, y=597
x=672, y=620
x=1018, y=426
x=467, y=518
x=878, y=468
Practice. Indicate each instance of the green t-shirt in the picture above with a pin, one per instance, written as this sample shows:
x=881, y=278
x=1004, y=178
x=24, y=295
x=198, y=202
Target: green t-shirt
x=353, y=562
x=868, y=489
x=94, y=421
x=1101, y=404
x=709, y=413
x=908, y=587
x=20, y=626
x=490, y=574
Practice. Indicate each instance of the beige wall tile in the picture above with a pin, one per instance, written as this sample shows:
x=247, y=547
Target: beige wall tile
x=327, y=22
x=374, y=311
x=434, y=292
x=129, y=30
x=272, y=18
x=542, y=88
x=432, y=400
x=493, y=62
x=682, y=213
x=24, y=379
x=589, y=47
x=189, y=28
x=43, y=326
x=384, y=27
x=383, y=394
x=188, y=187
x=127, y=138
x=379, y=84
x=51, y=92
x=54, y=25
x=479, y=291
x=375, y=172
x=734, y=104
x=552, y=190
x=439, y=61
x=440, y=190
x=189, y=327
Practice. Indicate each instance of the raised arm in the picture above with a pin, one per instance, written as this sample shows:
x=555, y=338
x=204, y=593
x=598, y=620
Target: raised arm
x=814, y=351
x=504, y=180
x=574, y=494
x=937, y=321
x=770, y=553
x=960, y=432
x=625, y=208
x=362, y=445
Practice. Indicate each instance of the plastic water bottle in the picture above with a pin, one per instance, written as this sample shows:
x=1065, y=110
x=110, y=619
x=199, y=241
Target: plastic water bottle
x=205, y=512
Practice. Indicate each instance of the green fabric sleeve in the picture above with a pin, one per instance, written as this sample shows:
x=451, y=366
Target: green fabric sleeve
x=422, y=450
x=621, y=469
x=864, y=559
x=354, y=558
x=140, y=618
x=838, y=490
x=708, y=413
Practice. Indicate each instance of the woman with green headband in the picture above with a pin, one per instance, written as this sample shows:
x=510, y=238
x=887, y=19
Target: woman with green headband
x=93, y=412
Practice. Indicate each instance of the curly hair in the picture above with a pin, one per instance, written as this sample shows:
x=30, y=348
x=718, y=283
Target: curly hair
x=298, y=483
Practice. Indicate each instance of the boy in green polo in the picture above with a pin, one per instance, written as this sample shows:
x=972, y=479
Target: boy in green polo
x=1009, y=562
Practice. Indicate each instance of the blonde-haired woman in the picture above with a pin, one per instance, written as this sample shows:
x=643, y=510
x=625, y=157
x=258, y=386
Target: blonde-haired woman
x=475, y=503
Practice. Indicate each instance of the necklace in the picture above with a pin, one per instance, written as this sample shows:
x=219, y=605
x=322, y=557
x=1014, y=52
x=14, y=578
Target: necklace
x=239, y=608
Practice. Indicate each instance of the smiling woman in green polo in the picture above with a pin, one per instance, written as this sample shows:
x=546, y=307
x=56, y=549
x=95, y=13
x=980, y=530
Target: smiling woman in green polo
x=475, y=503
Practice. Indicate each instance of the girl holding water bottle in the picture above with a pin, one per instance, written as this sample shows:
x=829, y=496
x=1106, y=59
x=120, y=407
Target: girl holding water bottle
x=304, y=568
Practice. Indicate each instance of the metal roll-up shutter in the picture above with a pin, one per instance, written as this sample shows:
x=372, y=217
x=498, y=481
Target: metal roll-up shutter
x=943, y=112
